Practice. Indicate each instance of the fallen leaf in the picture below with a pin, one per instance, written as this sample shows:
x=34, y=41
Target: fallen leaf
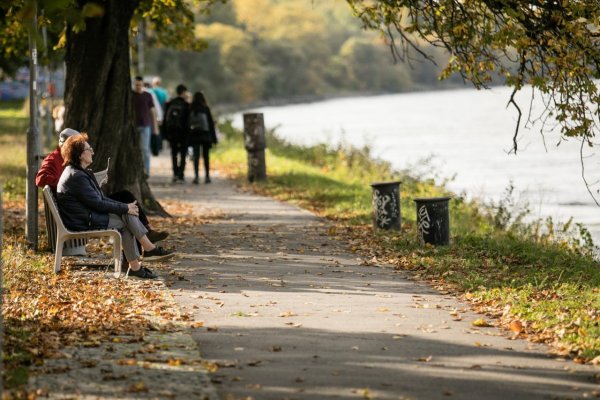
x=288, y=314
x=127, y=361
x=481, y=323
x=516, y=326
x=254, y=386
x=137, y=387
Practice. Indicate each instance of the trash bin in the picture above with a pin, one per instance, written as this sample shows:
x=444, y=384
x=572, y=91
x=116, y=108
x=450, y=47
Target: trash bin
x=433, y=220
x=386, y=205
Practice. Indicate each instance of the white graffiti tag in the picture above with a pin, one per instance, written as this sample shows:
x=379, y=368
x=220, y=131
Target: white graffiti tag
x=424, y=222
x=385, y=208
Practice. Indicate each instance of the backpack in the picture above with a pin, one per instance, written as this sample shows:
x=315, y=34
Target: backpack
x=199, y=121
x=175, y=118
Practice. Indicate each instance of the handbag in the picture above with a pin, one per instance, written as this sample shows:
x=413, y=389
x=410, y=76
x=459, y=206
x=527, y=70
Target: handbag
x=155, y=144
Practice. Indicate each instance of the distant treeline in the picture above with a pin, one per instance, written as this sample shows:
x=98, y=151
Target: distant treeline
x=274, y=50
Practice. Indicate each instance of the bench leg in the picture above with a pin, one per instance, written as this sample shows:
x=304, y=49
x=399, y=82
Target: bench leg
x=117, y=255
x=58, y=255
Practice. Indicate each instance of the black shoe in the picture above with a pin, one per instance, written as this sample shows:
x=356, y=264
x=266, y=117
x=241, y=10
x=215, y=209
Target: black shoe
x=196, y=181
x=207, y=179
x=157, y=254
x=142, y=273
x=149, y=270
x=157, y=236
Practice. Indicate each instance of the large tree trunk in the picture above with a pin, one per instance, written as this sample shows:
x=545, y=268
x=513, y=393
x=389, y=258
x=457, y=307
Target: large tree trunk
x=98, y=98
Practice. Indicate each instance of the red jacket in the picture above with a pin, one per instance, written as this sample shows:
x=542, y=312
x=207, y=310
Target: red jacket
x=50, y=171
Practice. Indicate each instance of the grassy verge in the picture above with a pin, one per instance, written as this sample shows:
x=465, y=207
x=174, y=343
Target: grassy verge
x=537, y=279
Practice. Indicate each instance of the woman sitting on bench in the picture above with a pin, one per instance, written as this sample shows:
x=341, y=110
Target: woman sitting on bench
x=83, y=206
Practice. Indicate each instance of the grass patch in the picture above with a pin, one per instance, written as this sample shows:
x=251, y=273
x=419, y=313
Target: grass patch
x=539, y=274
x=13, y=148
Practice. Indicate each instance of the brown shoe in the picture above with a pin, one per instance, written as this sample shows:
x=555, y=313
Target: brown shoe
x=157, y=236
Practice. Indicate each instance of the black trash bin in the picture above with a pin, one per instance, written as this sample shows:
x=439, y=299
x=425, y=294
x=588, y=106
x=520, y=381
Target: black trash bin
x=433, y=220
x=386, y=205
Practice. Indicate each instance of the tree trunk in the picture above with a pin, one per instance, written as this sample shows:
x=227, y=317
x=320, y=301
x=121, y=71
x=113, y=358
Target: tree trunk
x=98, y=98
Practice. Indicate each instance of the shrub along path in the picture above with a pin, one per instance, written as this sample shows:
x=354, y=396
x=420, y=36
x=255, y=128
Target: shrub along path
x=283, y=309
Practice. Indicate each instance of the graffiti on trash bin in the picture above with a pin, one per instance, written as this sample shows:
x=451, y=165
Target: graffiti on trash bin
x=386, y=208
x=424, y=222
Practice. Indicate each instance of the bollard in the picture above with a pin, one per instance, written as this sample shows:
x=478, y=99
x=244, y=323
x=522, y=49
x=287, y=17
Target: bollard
x=386, y=205
x=255, y=144
x=433, y=220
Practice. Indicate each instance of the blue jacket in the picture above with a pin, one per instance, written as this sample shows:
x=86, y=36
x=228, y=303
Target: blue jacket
x=81, y=203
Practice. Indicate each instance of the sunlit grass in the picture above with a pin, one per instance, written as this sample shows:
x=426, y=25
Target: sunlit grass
x=13, y=148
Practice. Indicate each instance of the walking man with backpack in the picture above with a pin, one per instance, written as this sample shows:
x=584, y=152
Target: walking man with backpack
x=176, y=129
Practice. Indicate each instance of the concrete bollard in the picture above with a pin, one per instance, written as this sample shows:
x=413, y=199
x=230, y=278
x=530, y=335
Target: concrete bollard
x=433, y=220
x=255, y=144
x=386, y=205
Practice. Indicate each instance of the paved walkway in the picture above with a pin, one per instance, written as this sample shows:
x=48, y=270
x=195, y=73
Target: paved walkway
x=289, y=313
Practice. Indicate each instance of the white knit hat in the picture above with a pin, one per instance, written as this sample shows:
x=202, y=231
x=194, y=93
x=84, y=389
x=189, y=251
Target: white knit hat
x=65, y=134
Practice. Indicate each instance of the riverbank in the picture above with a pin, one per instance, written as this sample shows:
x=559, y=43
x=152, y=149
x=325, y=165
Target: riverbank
x=539, y=281
x=225, y=109
x=460, y=138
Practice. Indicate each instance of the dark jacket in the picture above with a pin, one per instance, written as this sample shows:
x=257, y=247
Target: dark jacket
x=207, y=138
x=176, y=134
x=81, y=203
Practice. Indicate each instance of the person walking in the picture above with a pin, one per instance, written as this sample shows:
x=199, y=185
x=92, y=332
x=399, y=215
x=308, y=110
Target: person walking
x=145, y=119
x=162, y=95
x=176, y=129
x=202, y=134
x=160, y=92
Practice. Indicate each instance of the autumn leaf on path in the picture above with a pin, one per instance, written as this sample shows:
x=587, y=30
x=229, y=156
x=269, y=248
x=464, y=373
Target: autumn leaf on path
x=481, y=323
x=516, y=326
x=288, y=314
x=137, y=387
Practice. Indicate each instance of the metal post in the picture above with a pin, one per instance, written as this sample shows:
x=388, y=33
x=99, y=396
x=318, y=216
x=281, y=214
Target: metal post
x=1, y=291
x=33, y=140
x=46, y=91
x=255, y=143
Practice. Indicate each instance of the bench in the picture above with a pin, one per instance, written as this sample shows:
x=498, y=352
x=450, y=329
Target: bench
x=74, y=247
x=63, y=234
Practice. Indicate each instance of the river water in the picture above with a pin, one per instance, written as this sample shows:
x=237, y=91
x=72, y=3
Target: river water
x=464, y=135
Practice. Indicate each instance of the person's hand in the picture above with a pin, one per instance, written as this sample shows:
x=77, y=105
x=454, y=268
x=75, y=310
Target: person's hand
x=133, y=209
x=104, y=181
